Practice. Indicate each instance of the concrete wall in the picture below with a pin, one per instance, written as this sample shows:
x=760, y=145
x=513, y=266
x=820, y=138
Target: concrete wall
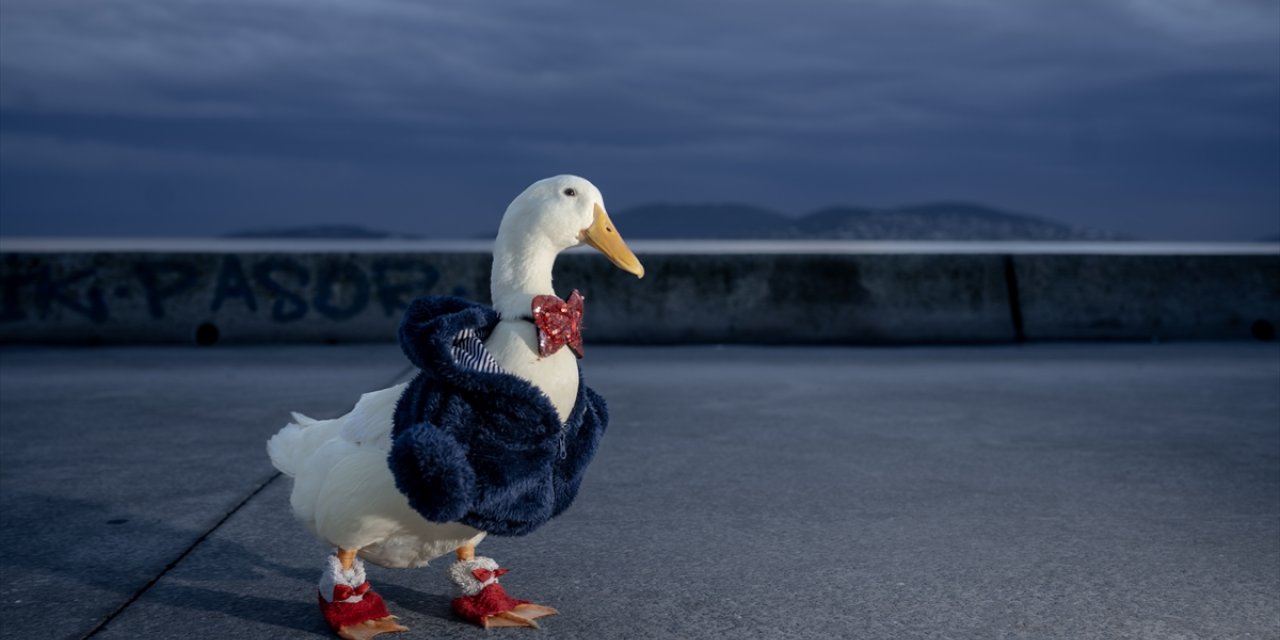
x=870, y=297
x=1126, y=297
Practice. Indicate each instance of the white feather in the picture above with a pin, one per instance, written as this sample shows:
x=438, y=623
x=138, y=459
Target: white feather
x=343, y=491
x=514, y=345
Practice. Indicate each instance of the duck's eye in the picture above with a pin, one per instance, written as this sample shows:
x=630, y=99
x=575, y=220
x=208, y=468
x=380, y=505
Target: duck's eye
x=570, y=192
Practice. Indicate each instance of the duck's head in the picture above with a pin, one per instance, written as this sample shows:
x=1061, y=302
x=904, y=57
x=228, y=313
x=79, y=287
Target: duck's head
x=562, y=212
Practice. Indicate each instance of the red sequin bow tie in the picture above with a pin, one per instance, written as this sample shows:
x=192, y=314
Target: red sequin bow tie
x=483, y=575
x=559, y=323
x=344, y=591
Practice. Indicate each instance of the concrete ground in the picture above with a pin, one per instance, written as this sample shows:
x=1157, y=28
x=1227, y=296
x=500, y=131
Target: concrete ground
x=1044, y=491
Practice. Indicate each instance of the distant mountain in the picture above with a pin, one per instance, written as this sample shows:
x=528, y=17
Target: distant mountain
x=319, y=231
x=731, y=221
x=937, y=221
x=934, y=221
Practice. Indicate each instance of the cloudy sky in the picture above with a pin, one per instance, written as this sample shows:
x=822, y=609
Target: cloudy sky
x=1157, y=118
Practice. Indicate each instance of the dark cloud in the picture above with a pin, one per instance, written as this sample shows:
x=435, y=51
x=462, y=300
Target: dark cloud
x=1158, y=118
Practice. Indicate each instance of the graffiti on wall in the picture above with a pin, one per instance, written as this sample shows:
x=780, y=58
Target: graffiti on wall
x=280, y=288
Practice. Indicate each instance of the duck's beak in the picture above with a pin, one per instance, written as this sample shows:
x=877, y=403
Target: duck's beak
x=604, y=237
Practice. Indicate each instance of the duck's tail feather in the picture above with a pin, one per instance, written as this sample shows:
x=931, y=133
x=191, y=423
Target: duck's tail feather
x=293, y=445
x=302, y=420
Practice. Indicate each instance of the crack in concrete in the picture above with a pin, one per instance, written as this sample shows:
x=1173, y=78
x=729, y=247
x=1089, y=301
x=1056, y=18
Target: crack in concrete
x=401, y=376
x=102, y=624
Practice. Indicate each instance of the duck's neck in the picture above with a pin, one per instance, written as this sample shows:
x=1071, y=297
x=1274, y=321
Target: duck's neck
x=521, y=270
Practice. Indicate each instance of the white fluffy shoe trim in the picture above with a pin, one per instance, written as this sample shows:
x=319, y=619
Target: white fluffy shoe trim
x=334, y=576
x=471, y=576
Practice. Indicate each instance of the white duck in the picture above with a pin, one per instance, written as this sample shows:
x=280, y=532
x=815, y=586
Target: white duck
x=344, y=492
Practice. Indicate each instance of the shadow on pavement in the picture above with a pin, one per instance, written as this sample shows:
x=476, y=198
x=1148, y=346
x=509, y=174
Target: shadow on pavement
x=66, y=569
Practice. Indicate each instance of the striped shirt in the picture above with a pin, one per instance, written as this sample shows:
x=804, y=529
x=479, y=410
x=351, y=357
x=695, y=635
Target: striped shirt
x=469, y=352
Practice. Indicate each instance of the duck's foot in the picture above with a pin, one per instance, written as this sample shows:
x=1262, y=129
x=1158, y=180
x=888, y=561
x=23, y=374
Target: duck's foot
x=359, y=617
x=484, y=601
x=521, y=616
x=370, y=628
x=350, y=607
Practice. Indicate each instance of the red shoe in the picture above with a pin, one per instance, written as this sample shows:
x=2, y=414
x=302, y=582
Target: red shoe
x=484, y=601
x=350, y=607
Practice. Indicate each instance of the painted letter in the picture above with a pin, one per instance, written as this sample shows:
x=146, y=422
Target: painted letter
x=288, y=306
x=349, y=275
x=233, y=283
x=390, y=294
x=177, y=277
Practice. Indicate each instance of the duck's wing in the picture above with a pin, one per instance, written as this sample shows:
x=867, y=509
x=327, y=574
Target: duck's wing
x=368, y=423
x=292, y=447
x=371, y=420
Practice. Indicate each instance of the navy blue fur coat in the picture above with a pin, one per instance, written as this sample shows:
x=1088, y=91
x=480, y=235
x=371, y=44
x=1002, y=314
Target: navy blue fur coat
x=484, y=449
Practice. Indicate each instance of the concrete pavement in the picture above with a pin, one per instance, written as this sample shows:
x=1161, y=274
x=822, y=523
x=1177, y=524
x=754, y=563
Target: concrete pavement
x=1041, y=491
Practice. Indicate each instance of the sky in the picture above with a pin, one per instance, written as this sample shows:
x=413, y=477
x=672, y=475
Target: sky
x=1159, y=119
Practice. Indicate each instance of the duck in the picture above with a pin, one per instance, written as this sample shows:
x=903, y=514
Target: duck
x=492, y=436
